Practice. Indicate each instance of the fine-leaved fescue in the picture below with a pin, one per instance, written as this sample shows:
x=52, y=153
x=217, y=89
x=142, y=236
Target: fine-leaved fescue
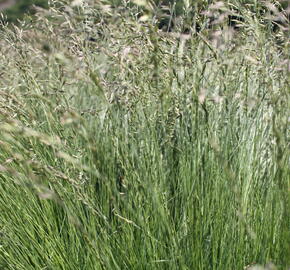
x=123, y=146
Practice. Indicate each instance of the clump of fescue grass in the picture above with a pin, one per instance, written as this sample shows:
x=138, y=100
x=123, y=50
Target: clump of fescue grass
x=123, y=147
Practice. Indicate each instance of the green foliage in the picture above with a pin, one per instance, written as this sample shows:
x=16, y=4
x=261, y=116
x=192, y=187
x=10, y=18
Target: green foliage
x=21, y=7
x=125, y=147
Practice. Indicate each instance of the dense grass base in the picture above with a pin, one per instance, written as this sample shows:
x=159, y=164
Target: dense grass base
x=143, y=150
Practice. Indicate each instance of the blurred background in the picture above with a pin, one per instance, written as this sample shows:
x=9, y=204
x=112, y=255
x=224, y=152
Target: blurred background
x=15, y=9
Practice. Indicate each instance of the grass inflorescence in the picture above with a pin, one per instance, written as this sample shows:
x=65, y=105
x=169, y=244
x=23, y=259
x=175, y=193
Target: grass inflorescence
x=125, y=146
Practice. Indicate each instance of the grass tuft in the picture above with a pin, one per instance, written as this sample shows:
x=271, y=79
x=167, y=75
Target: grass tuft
x=124, y=146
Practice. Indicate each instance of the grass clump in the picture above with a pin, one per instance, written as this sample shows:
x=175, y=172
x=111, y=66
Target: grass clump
x=126, y=147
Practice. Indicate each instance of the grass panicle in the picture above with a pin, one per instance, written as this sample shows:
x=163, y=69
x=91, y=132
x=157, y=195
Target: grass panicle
x=125, y=146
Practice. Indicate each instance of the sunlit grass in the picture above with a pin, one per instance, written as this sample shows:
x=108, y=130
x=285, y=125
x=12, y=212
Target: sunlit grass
x=140, y=149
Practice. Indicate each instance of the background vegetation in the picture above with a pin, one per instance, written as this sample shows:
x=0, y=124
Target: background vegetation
x=21, y=7
x=126, y=147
